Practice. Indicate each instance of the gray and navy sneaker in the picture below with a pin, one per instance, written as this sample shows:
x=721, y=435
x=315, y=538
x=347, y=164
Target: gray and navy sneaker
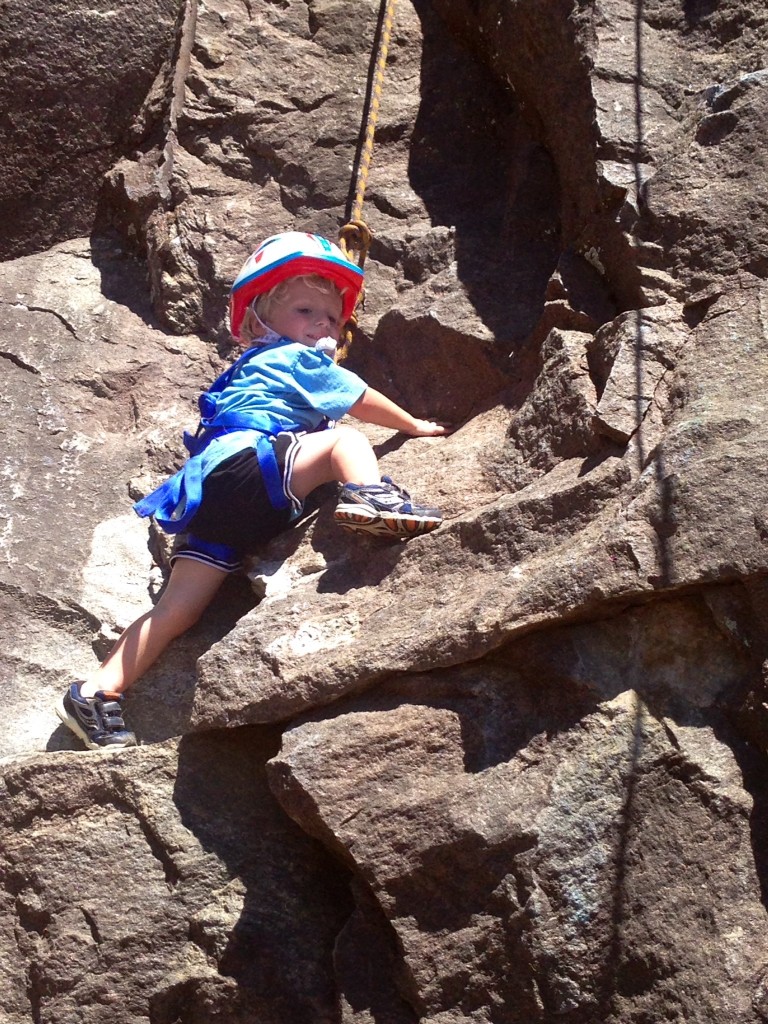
x=98, y=721
x=384, y=510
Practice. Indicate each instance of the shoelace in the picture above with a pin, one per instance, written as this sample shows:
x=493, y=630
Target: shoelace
x=399, y=490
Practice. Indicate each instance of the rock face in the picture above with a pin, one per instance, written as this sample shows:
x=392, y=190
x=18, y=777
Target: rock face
x=75, y=79
x=510, y=772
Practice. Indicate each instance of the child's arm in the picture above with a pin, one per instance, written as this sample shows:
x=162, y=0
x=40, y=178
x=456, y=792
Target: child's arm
x=373, y=407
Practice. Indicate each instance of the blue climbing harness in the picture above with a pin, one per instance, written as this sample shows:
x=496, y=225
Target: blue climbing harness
x=175, y=502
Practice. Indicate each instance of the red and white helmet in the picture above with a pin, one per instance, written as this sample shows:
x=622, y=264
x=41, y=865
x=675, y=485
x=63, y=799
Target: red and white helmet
x=293, y=254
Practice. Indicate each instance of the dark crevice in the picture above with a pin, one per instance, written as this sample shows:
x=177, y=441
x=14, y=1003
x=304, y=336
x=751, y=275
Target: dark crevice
x=51, y=609
x=62, y=320
x=155, y=844
x=93, y=927
x=18, y=361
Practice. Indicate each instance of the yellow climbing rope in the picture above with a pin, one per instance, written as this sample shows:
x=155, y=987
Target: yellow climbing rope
x=355, y=237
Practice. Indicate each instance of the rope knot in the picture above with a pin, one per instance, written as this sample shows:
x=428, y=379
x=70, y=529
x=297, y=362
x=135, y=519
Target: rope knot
x=356, y=237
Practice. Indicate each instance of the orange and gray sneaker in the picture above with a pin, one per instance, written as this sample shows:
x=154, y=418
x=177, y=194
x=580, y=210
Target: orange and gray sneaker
x=384, y=510
x=98, y=720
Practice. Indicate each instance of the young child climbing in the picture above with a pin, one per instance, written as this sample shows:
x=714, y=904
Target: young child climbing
x=264, y=443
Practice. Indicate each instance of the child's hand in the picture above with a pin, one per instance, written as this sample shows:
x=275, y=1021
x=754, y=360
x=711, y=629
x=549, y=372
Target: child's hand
x=428, y=428
x=373, y=407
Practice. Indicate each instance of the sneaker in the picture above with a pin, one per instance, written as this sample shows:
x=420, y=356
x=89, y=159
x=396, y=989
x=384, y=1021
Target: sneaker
x=384, y=510
x=98, y=721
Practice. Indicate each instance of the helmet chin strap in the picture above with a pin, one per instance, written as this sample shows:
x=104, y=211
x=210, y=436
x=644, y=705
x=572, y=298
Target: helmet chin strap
x=269, y=336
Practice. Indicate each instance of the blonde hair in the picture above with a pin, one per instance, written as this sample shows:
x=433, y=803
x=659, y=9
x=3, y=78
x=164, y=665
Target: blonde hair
x=261, y=307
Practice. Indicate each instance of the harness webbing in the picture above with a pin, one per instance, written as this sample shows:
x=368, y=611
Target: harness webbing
x=174, y=503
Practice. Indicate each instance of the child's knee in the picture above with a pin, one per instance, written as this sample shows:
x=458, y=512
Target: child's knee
x=348, y=436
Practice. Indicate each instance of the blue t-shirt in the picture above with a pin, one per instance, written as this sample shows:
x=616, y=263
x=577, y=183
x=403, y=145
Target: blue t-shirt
x=288, y=386
x=283, y=386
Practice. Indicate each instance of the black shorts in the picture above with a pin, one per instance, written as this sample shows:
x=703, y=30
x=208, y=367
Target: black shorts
x=236, y=517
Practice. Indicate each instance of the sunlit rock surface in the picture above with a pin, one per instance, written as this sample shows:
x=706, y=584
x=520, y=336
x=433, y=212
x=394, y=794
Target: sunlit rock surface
x=510, y=772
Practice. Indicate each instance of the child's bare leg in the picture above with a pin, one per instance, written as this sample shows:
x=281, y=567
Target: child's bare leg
x=366, y=505
x=342, y=454
x=190, y=589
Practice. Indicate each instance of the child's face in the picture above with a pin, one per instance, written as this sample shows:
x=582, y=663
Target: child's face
x=306, y=314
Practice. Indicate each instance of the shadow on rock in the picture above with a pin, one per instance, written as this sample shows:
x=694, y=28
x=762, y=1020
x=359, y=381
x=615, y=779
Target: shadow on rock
x=752, y=763
x=271, y=928
x=160, y=704
x=123, y=277
x=476, y=167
